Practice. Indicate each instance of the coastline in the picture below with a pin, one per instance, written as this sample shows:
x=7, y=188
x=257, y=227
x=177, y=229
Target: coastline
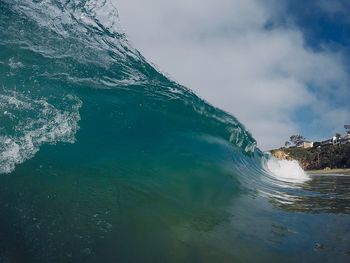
x=317, y=160
x=329, y=171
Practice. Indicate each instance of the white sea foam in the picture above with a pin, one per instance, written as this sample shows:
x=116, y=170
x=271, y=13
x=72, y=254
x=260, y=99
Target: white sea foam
x=29, y=123
x=14, y=64
x=287, y=171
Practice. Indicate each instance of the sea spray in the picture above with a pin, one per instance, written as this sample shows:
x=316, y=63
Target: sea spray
x=287, y=170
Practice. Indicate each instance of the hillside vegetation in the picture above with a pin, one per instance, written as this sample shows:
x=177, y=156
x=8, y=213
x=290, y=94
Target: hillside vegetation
x=330, y=156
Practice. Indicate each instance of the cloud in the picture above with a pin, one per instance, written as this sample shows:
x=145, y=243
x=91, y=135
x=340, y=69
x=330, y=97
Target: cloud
x=233, y=54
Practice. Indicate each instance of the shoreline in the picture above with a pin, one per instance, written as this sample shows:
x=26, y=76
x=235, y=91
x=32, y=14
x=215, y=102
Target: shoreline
x=345, y=171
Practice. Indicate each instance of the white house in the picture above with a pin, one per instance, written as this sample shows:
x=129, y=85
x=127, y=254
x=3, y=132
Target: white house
x=305, y=144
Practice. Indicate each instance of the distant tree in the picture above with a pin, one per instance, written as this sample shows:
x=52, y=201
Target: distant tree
x=287, y=143
x=296, y=139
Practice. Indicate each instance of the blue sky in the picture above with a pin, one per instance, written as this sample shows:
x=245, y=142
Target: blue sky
x=323, y=22
x=325, y=25
x=281, y=67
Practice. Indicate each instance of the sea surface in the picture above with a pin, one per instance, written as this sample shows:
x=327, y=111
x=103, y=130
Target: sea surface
x=105, y=159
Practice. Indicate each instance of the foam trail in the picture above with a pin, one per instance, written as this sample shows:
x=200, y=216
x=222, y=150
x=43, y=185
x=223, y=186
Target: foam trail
x=43, y=123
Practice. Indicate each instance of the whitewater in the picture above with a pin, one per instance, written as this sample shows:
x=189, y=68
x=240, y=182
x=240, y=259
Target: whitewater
x=105, y=159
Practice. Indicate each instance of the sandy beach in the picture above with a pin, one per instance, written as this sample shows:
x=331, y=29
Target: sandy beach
x=330, y=171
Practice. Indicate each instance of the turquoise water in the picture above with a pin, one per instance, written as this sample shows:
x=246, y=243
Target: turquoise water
x=104, y=159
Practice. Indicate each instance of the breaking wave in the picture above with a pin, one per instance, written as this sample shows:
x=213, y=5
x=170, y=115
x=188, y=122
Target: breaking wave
x=129, y=159
x=287, y=170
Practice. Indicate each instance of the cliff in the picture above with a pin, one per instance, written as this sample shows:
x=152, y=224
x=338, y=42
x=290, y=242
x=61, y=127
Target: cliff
x=331, y=156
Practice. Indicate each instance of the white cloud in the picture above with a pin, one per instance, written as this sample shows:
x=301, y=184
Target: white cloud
x=221, y=50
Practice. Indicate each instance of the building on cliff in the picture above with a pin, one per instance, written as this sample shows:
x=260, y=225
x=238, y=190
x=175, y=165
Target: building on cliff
x=345, y=139
x=305, y=144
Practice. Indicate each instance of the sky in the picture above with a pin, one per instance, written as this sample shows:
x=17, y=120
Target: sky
x=280, y=66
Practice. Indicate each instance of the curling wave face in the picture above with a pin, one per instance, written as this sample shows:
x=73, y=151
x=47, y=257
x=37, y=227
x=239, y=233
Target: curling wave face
x=101, y=153
x=78, y=44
